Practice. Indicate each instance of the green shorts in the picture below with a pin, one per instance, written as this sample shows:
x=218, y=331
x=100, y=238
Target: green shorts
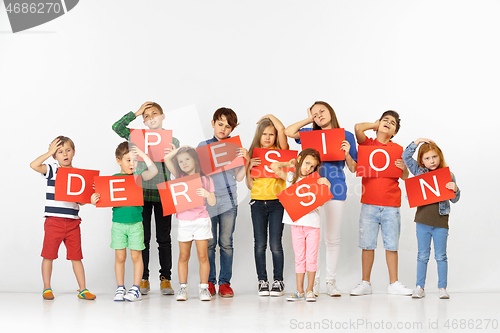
x=129, y=235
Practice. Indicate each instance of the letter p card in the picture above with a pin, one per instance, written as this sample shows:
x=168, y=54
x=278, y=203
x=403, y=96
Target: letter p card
x=179, y=194
x=152, y=142
x=74, y=185
x=304, y=196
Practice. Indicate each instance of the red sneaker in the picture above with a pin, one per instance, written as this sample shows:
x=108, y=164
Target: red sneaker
x=211, y=288
x=225, y=290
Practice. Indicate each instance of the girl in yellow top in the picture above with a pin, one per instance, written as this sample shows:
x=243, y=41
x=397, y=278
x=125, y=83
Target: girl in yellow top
x=267, y=211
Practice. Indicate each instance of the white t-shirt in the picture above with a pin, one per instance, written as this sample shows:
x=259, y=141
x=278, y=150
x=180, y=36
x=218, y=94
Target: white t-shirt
x=57, y=208
x=311, y=219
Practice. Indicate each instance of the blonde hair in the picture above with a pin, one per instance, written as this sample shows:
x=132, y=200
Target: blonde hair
x=261, y=126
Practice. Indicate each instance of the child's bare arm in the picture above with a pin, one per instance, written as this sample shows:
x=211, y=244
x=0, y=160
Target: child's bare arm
x=210, y=196
x=277, y=168
x=241, y=172
x=280, y=129
x=95, y=198
x=37, y=163
x=324, y=181
x=361, y=128
x=250, y=164
x=168, y=159
x=292, y=131
x=152, y=169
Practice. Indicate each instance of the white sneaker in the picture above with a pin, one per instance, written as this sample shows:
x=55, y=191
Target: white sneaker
x=316, y=286
x=364, y=288
x=119, y=293
x=310, y=297
x=204, y=293
x=397, y=288
x=182, y=294
x=418, y=293
x=331, y=289
x=443, y=294
x=133, y=295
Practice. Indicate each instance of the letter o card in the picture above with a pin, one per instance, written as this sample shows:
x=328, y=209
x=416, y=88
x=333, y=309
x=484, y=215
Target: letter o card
x=220, y=156
x=152, y=142
x=429, y=187
x=326, y=142
x=179, y=194
x=268, y=156
x=74, y=185
x=379, y=161
x=304, y=196
x=118, y=191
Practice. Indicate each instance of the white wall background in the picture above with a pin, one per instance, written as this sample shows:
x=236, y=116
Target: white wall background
x=435, y=62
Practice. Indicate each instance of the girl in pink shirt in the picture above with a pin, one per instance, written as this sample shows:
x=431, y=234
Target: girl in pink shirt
x=194, y=224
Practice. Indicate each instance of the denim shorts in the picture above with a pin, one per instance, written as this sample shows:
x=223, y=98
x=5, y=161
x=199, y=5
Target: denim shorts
x=388, y=219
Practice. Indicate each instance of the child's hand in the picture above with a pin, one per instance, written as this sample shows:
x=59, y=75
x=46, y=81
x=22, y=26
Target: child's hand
x=169, y=149
x=345, y=147
x=266, y=116
x=254, y=162
x=54, y=146
x=242, y=152
x=376, y=125
x=309, y=115
x=400, y=164
x=143, y=108
x=202, y=192
x=324, y=181
x=136, y=151
x=95, y=198
x=292, y=162
x=452, y=186
x=422, y=140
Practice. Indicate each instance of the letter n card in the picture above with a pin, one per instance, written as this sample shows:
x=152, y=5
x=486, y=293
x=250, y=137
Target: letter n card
x=220, y=156
x=179, y=194
x=152, y=142
x=429, y=187
x=74, y=185
x=326, y=142
x=304, y=196
x=118, y=191
x=379, y=161
x=268, y=156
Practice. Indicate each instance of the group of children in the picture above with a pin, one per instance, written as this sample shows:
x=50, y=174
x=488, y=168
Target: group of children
x=213, y=223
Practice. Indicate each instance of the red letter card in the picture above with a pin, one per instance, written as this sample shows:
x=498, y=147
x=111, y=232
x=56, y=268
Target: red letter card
x=429, y=187
x=304, y=196
x=152, y=142
x=220, y=156
x=326, y=142
x=118, y=191
x=179, y=194
x=268, y=156
x=74, y=185
x=379, y=161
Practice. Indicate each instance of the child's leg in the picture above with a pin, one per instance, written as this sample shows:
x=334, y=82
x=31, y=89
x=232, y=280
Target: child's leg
x=391, y=258
x=138, y=266
x=300, y=282
x=46, y=272
x=299, y=249
x=79, y=273
x=440, y=236
x=334, y=210
x=201, y=249
x=182, y=266
x=120, y=256
x=367, y=258
x=313, y=237
x=424, y=237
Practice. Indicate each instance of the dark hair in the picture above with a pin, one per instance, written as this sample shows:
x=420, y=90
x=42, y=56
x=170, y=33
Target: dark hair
x=63, y=140
x=231, y=117
x=333, y=116
x=395, y=115
x=261, y=126
x=123, y=149
x=300, y=159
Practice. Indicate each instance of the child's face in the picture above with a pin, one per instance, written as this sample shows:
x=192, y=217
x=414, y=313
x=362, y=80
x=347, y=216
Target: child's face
x=431, y=160
x=186, y=163
x=153, y=118
x=308, y=166
x=221, y=128
x=128, y=163
x=64, y=155
x=268, y=137
x=387, y=126
x=321, y=115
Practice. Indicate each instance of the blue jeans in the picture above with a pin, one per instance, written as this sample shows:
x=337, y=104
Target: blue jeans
x=268, y=214
x=224, y=222
x=424, y=235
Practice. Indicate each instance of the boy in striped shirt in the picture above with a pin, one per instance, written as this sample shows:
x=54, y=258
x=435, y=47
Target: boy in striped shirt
x=62, y=223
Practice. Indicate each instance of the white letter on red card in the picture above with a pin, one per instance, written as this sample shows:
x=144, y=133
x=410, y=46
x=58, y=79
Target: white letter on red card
x=268, y=169
x=435, y=191
x=387, y=160
x=217, y=164
x=70, y=175
x=112, y=190
x=307, y=194
x=183, y=193
x=147, y=143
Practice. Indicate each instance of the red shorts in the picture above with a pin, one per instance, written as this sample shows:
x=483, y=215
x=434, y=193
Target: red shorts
x=60, y=229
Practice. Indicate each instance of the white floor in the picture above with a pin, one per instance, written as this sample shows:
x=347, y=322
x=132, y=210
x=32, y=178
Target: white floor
x=466, y=312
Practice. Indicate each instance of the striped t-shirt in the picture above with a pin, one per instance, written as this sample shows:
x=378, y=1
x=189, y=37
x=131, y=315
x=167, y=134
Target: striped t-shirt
x=57, y=208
